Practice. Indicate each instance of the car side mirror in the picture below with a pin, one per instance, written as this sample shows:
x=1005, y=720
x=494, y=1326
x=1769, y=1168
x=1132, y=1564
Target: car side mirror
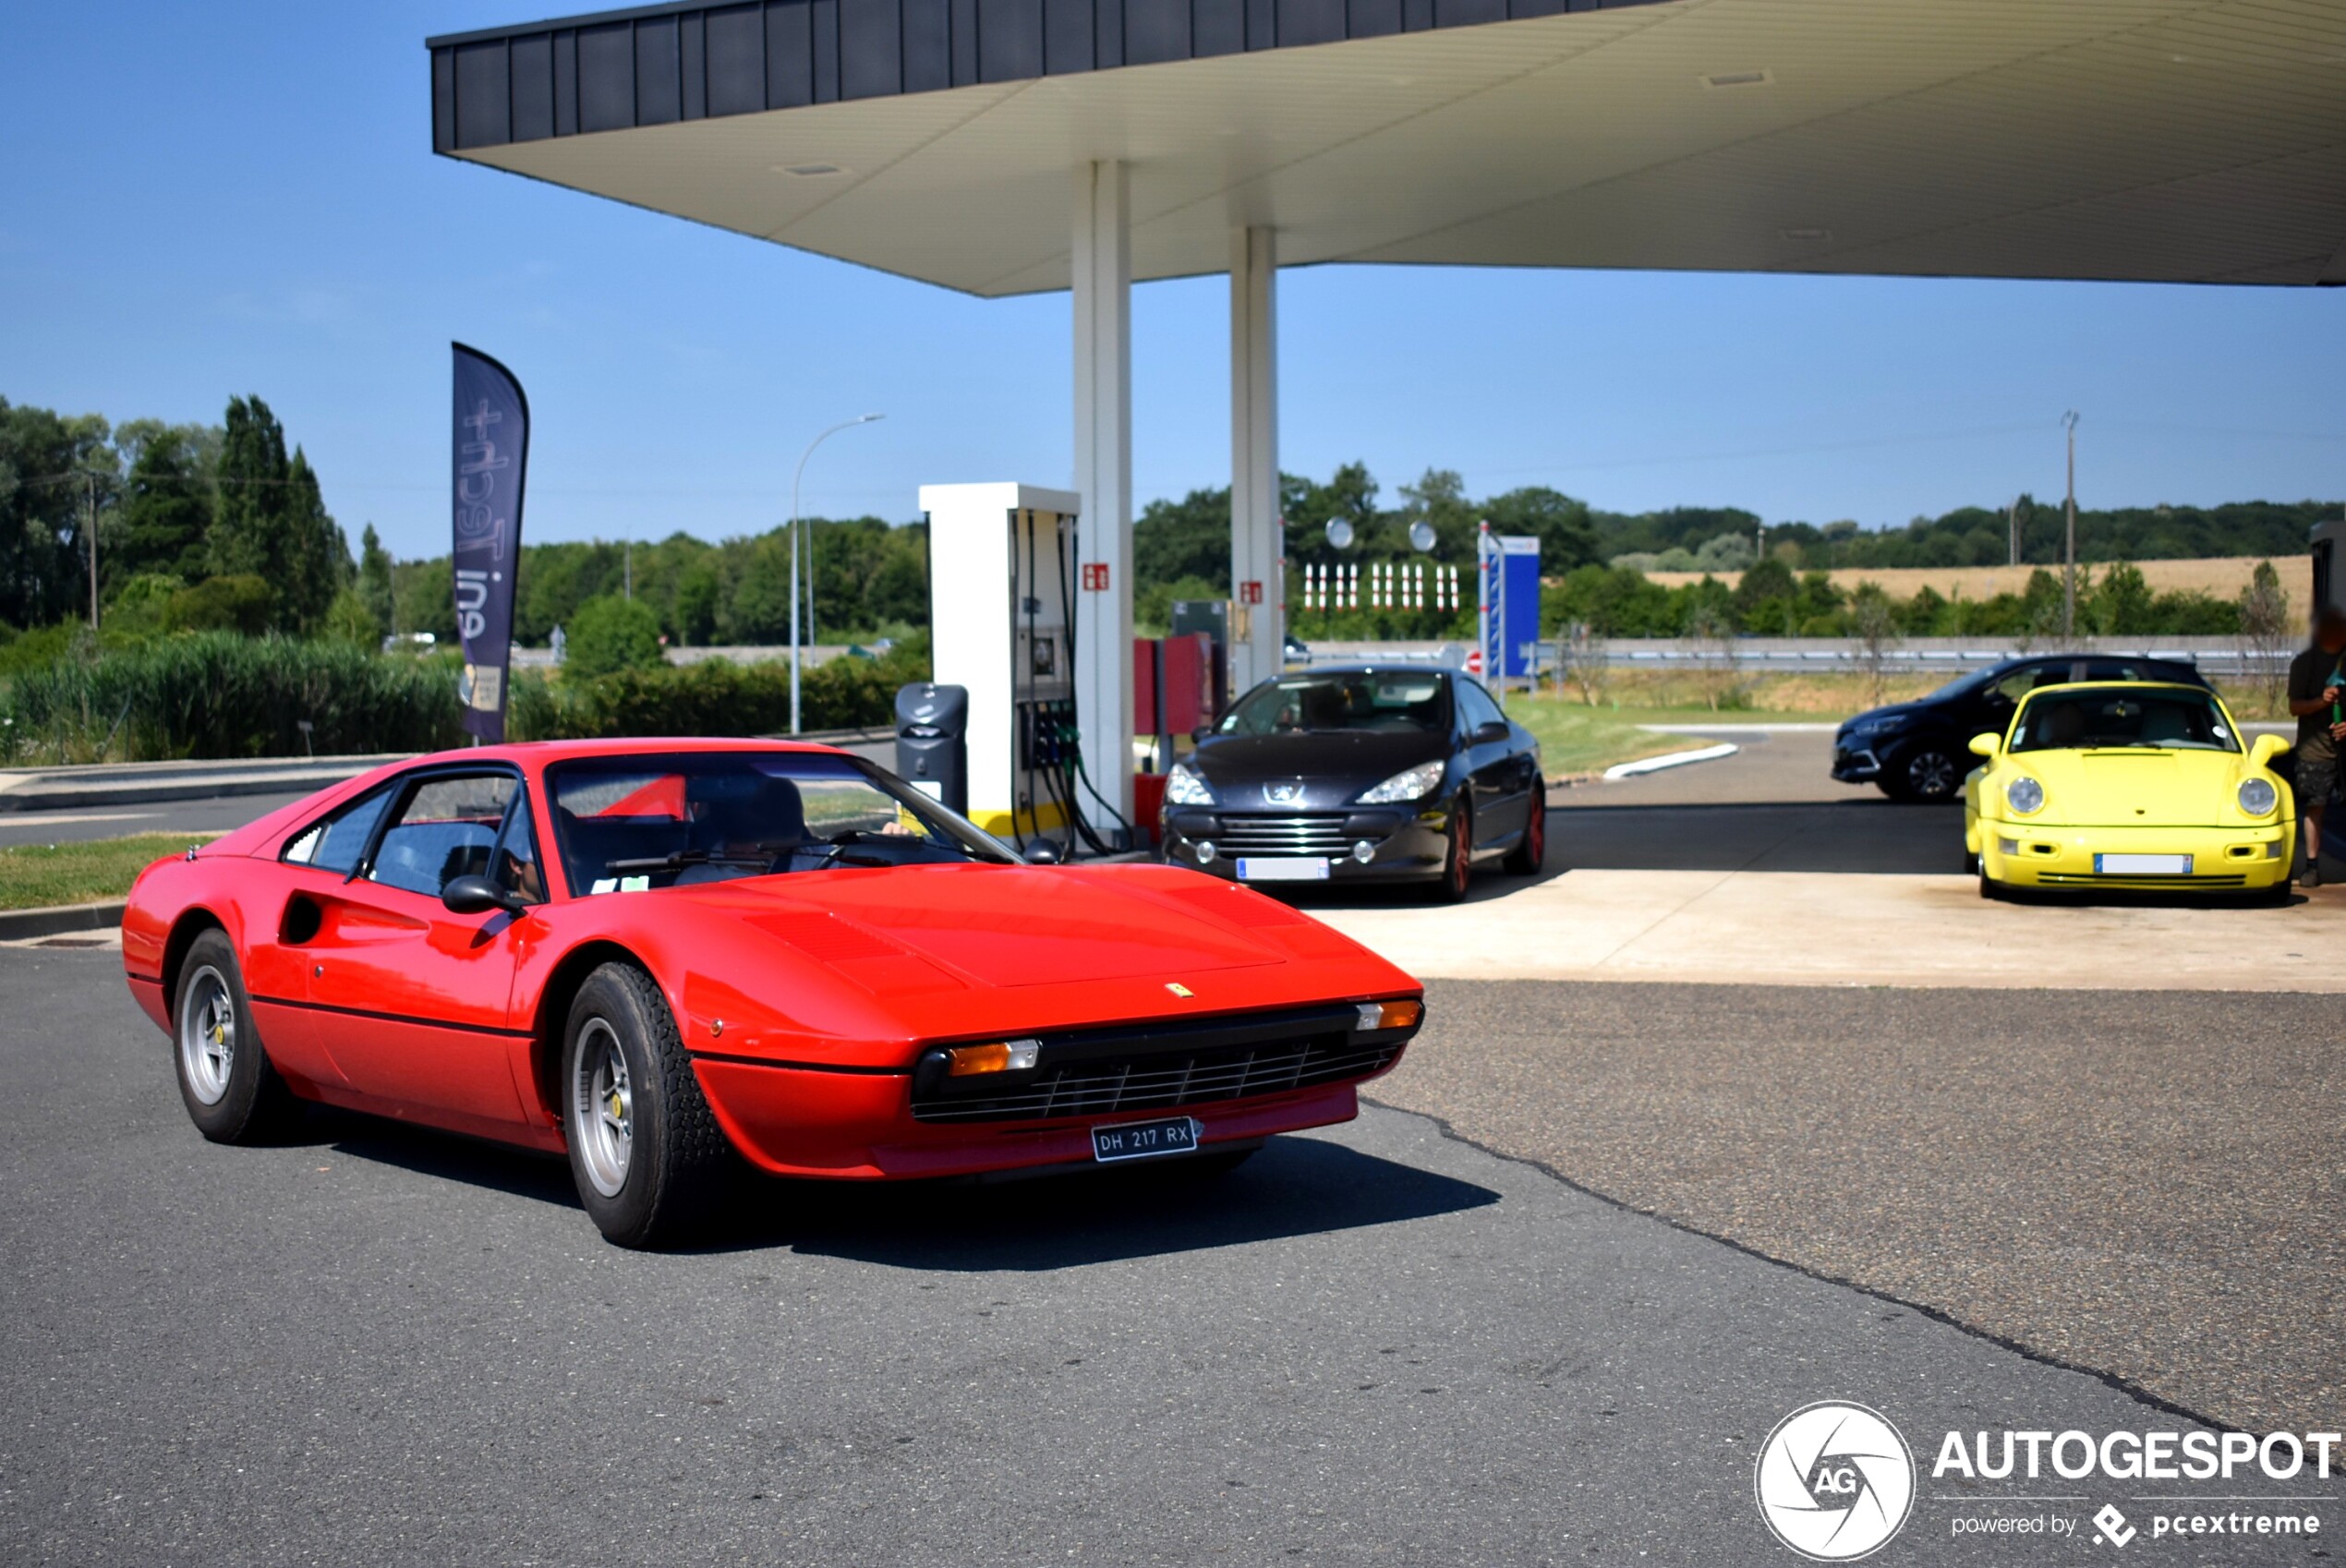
x=2264, y=750
x=1489, y=729
x=1987, y=745
x=1042, y=851
x=1201, y=732
x=477, y=895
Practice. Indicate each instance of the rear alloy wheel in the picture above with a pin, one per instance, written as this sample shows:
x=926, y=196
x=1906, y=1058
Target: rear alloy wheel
x=1928, y=775
x=232, y=1093
x=644, y=1148
x=1530, y=852
x=1458, y=856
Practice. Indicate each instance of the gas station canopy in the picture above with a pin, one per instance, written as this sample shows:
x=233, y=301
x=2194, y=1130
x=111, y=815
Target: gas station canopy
x=2143, y=139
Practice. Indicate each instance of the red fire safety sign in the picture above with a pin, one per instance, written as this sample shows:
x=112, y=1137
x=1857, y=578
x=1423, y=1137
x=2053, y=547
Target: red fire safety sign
x=1095, y=576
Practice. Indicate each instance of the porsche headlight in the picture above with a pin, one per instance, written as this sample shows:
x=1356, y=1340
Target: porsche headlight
x=1183, y=787
x=2025, y=795
x=1408, y=785
x=2258, y=797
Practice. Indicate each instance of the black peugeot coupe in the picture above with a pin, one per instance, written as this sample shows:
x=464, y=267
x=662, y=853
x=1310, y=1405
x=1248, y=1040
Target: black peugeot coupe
x=1921, y=750
x=1369, y=773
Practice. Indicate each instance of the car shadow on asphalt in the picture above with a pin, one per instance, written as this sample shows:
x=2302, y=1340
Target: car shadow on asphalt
x=1292, y=1187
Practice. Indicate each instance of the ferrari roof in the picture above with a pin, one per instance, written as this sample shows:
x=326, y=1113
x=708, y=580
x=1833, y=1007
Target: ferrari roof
x=2155, y=139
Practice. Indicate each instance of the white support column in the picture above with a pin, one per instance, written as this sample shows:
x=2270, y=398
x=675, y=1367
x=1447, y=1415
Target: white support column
x=1104, y=478
x=1255, y=543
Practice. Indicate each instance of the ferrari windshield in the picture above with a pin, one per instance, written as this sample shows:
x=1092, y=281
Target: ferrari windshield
x=1389, y=700
x=2084, y=717
x=625, y=824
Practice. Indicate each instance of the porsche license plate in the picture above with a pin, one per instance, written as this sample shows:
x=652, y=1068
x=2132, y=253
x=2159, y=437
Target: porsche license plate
x=1284, y=869
x=1145, y=1141
x=2143, y=865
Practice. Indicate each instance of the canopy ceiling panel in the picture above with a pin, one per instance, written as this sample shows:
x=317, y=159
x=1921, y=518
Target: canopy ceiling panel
x=2152, y=139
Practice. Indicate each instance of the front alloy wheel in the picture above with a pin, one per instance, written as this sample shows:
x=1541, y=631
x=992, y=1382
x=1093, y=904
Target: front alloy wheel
x=602, y=1109
x=1458, y=857
x=1929, y=775
x=644, y=1148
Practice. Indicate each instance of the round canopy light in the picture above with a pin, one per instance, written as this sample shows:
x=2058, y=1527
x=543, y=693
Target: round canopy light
x=1340, y=533
x=1422, y=533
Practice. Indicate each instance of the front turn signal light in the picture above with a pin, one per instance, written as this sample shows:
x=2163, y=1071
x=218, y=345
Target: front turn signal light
x=1002, y=1056
x=1389, y=1015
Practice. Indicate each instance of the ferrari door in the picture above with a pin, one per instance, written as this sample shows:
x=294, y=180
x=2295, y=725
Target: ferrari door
x=409, y=998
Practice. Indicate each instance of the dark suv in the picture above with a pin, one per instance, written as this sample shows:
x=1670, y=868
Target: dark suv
x=1919, y=751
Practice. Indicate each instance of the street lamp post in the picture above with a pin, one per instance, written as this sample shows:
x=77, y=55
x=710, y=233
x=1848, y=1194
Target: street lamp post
x=2069, y=574
x=818, y=440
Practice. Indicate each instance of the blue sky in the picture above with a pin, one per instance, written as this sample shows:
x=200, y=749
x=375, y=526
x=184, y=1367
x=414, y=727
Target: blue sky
x=201, y=200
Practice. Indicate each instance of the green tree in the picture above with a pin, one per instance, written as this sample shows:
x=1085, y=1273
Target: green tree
x=233, y=602
x=272, y=521
x=611, y=633
x=424, y=597
x=1568, y=538
x=350, y=619
x=376, y=588
x=166, y=506
x=44, y=542
x=2121, y=605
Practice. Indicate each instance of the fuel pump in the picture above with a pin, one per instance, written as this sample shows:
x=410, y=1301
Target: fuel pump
x=1002, y=566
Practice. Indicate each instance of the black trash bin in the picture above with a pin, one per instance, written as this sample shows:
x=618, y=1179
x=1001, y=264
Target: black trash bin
x=932, y=742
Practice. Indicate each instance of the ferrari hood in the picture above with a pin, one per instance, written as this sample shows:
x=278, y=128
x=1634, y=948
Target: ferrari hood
x=2128, y=786
x=990, y=924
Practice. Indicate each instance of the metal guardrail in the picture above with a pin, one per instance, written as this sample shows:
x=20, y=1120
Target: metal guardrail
x=2216, y=656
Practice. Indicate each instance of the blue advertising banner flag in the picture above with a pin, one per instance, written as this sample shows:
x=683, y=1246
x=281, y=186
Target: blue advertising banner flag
x=1510, y=604
x=490, y=456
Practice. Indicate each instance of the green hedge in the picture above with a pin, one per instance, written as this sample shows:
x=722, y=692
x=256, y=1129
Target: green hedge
x=220, y=694
x=716, y=697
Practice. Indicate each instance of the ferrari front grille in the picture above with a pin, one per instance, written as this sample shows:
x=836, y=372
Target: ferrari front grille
x=1311, y=833
x=1164, y=1080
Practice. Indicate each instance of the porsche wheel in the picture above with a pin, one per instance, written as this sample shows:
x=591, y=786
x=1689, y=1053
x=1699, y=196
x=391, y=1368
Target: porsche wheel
x=1458, y=856
x=1530, y=852
x=1990, y=888
x=232, y=1093
x=644, y=1148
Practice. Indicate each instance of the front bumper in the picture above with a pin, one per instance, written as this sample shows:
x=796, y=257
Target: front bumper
x=1856, y=761
x=2246, y=859
x=1243, y=1078
x=1405, y=843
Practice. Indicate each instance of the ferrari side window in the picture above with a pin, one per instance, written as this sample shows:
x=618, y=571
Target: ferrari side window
x=517, y=855
x=446, y=829
x=336, y=842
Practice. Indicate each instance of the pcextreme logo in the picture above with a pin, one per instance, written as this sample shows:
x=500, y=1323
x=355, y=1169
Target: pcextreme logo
x=1835, y=1481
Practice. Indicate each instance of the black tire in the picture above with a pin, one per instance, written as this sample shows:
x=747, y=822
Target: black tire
x=1991, y=889
x=1530, y=856
x=646, y=1172
x=1458, y=856
x=1925, y=775
x=1970, y=863
x=232, y=1093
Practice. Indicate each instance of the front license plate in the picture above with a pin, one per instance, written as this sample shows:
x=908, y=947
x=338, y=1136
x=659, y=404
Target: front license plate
x=1285, y=869
x=1145, y=1141
x=2143, y=865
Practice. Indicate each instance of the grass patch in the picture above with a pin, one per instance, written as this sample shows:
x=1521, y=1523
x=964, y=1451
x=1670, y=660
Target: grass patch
x=35, y=876
x=1578, y=739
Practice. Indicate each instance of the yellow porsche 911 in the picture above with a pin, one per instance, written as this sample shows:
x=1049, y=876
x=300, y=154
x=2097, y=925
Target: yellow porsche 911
x=2128, y=784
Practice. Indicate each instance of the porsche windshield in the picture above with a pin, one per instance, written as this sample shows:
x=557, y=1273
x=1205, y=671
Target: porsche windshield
x=2085, y=718
x=627, y=823
x=1390, y=700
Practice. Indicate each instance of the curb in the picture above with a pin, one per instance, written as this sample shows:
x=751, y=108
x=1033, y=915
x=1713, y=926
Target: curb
x=18, y=925
x=1669, y=759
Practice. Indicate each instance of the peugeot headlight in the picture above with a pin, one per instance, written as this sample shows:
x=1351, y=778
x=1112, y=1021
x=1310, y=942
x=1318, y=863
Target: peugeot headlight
x=1876, y=724
x=1408, y=785
x=2257, y=796
x=1183, y=787
x=2025, y=795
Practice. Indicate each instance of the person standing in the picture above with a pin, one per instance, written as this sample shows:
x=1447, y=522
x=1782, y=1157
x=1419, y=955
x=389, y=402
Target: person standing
x=2317, y=697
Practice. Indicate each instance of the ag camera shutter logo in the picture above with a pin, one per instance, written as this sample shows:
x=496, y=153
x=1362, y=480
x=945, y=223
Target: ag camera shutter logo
x=1835, y=1481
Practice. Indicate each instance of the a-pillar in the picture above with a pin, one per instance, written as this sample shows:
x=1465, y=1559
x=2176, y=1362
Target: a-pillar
x=1258, y=574
x=1104, y=478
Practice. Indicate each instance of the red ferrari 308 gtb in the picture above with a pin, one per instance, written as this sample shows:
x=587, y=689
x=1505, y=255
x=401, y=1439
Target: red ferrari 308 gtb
x=641, y=952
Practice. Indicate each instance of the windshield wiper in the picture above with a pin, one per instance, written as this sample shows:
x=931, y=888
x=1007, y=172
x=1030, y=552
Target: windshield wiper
x=683, y=858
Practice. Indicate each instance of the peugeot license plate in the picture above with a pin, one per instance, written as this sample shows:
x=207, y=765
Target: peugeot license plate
x=1284, y=869
x=2143, y=865
x=1145, y=1141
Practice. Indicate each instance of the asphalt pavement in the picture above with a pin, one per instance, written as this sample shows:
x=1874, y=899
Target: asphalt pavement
x=376, y=1344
